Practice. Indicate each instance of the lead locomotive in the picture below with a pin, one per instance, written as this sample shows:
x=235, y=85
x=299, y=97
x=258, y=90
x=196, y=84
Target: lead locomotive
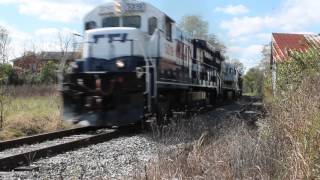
x=140, y=63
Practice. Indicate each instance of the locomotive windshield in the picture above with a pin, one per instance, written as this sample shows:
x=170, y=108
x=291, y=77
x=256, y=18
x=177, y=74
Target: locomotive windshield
x=111, y=22
x=128, y=21
x=132, y=21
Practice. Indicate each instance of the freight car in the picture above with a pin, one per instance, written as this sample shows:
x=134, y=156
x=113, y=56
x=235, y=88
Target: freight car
x=138, y=63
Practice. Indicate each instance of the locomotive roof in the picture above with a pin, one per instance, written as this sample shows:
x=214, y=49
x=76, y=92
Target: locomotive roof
x=108, y=8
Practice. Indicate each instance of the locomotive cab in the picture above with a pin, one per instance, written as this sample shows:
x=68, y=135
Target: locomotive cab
x=104, y=88
x=107, y=87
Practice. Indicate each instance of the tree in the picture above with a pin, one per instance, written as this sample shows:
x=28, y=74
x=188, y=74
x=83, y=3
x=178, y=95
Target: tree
x=4, y=70
x=199, y=29
x=213, y=40
x=239, y=65
x=4, y=45
x=253, y=82
x=266, y=57
x=48, y=73
x=66, y=42
x=195, y=26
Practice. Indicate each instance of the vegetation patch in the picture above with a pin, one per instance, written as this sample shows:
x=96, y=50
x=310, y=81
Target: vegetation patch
x=32, y=114
x=285, y=146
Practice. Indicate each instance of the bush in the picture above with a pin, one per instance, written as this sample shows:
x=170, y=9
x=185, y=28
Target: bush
x=48, y=73
x=300, y=66
x=7, y=74
x=294, y=116
x=253, y=82
x=294, y=123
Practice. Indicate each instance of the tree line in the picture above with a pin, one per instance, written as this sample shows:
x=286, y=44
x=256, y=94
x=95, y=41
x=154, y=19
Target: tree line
x=49, y=72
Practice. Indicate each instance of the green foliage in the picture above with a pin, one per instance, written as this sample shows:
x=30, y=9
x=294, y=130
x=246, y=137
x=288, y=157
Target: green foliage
x=253, y=82
x=48, y=73
x=267, y=86
x=199, y=28
x=294, y=113
x=301, y=65
x=30, y=78
x=195, y=26
x=8, y=75
x=46, y=76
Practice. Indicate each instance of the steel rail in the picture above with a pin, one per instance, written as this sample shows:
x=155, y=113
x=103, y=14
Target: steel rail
x=42, y=137
x=25, y=159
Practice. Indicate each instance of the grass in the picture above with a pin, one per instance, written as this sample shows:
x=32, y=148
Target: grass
x=31, y=110
x=226, y=150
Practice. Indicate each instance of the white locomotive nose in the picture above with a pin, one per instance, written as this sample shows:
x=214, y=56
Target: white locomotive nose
x=110, y=43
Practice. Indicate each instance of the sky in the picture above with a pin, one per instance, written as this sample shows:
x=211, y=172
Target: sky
x=244, y=26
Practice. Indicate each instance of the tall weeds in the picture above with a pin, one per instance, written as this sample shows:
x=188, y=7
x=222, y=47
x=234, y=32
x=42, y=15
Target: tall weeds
x=286, y=144
x=295, y=121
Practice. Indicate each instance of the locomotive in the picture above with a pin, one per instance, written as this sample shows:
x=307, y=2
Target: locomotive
x=139, y=63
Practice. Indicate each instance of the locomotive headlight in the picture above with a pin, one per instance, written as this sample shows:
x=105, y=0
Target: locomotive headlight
x=120, y=64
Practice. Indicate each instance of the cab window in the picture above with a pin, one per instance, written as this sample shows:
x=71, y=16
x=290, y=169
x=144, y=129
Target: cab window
x=90, y=25
x=132, y=21
x=169, y=29
x=111, y=22
x=153, y=25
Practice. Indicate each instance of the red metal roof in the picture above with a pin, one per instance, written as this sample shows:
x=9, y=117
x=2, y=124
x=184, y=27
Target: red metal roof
x=283, y=43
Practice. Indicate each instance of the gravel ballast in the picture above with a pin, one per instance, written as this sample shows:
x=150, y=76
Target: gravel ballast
x=116, y=158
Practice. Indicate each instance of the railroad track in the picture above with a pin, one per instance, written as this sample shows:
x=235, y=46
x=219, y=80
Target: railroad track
x=43, y=137
x=63, y=141
x=252, y=110
x=71, y=140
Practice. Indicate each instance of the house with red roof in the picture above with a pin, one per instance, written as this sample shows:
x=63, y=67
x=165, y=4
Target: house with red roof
x=283, y=44
x=34, y=62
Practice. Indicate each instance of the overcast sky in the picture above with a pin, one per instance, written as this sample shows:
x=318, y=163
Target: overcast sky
x=244, y=26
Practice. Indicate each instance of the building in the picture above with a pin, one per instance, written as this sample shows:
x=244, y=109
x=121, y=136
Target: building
x=283, y=44
x=35, y=61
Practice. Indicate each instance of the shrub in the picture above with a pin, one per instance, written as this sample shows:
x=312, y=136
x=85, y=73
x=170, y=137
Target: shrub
x=48, y=73
x=300, y=66
x=7, y=74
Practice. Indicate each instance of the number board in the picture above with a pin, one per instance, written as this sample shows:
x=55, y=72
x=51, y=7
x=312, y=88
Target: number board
x=128, y=7
x=136, y=7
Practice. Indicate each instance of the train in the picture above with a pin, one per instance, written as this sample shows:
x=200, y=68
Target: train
x=139, y=63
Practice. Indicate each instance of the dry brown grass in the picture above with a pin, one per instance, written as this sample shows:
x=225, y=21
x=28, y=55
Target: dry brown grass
x=295, y=122
x=33, y=90
x=285, y=146
x=31, y=110
x=227, y=151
